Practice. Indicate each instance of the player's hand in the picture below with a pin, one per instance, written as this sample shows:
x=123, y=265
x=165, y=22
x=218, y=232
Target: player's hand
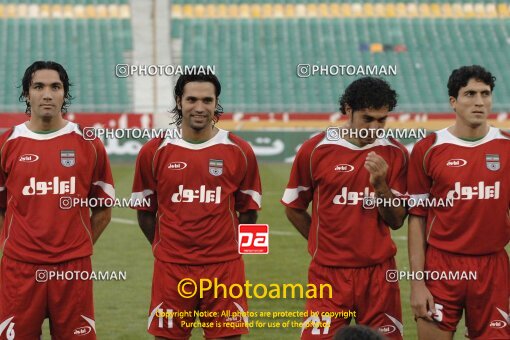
x=377, y=167
x=422, y=302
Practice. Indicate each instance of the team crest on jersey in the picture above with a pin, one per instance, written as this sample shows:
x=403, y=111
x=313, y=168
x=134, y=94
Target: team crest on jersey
x=492, y=162
x=67, y=158
x=216, y=167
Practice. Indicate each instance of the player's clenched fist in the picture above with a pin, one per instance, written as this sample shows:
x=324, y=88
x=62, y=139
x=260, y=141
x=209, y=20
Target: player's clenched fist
x=377, y=167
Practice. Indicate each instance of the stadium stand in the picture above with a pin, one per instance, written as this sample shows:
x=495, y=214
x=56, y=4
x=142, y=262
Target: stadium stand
x=322, y=1
x=88, y=40
x=257, y=45
x=267, y=52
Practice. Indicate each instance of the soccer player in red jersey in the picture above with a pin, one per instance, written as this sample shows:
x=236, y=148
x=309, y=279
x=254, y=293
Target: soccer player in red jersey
x=467, y=163
x=200, y=188
x=349, y=240
x=44, y=164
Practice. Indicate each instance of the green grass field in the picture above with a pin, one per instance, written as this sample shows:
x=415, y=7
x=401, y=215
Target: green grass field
x=121, y=307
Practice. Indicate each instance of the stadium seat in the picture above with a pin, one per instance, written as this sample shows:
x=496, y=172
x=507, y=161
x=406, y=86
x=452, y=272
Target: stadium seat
x=434, y=47
x=245, y=41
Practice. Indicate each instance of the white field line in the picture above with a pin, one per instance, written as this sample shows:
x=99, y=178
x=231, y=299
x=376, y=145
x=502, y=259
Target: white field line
x=272, y=231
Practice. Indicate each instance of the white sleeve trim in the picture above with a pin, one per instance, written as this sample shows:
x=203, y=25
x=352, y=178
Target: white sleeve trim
x=141, y=194
x=290, y=195
x=256, y=197
x=419, y=197
x=396, y=193
x=107, y=188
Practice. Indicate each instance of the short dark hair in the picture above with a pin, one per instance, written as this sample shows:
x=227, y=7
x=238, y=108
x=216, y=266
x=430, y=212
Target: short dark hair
x=461, y=76
x=179, y=91
x=357, y=332
x=45, y=65
x=368, y=92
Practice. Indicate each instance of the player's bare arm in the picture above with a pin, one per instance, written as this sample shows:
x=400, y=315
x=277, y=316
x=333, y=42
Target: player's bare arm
x=378, y=169
x=248, y=217
x=147, y=222
x=422, y=302
x=300, y=219
x=99, y=220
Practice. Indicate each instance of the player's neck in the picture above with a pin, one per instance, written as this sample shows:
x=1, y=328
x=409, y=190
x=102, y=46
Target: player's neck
x=37, y=124
x=463, y=131
x=355, y=141
x=198, y=136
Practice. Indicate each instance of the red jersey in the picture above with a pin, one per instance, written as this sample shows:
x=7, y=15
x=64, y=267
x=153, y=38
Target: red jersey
x=40, y=171
x=475, y=175
x=196, y=190
x=332, y=174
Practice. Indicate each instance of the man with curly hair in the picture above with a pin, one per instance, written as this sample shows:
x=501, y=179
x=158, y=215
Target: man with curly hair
x=349, y=239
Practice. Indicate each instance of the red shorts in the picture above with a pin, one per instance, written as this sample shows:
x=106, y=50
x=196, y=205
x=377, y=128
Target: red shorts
x=181, y=313
x=359, y=293
x=485, y=298
x=27, y=297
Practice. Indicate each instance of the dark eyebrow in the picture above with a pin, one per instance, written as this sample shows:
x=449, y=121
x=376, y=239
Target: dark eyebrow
x=195, y=98
x=475, y=91
x=52, y=84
